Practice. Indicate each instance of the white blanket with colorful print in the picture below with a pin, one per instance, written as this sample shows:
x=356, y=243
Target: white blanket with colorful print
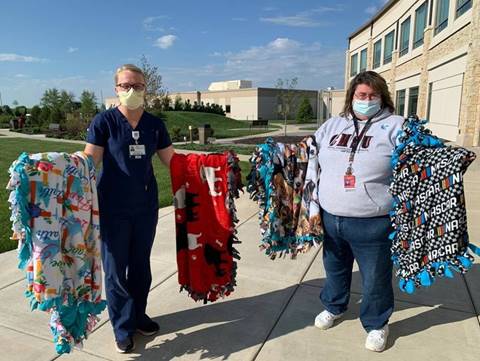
x=55, y=219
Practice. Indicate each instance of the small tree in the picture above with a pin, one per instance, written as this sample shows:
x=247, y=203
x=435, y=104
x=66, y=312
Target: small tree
x=178, y=105
x=51, y=98
x=44, y=115
x=286, y=98
x=305, y=111
x=67, y=102
x=153, y=80
x=20, y=110
x=166, y=103
x=88, y=107
x=7, y=110
x=56, y=116
x=35, y=113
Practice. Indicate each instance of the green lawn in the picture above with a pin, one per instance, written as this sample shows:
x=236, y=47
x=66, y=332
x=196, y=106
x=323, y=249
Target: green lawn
x=11, y=148
x=223, y=127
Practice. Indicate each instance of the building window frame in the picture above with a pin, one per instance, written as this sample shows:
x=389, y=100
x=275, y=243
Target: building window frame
x=413, y=93
x=400, y=102
x=429, y=101
x=462, y=6
x=405, y=36
x=354, y=64
x=377, y=54
x=228, y=108
x=441, y=15
x=363, y=60
x=418, y=41
x=388, y=48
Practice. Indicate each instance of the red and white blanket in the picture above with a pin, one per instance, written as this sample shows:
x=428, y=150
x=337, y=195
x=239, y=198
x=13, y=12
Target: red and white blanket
x=204, y=188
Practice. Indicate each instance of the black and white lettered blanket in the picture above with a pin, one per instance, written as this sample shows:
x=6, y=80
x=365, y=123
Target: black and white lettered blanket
x=429, y=215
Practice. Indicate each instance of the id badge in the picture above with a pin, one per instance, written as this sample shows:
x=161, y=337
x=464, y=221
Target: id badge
x=137, y=150
x=349, y=182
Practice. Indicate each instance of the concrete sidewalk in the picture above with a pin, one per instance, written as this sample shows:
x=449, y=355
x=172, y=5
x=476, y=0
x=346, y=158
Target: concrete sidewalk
x=268, y=317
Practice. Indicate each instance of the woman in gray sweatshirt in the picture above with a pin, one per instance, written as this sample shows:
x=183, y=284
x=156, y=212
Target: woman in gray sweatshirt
x=355, y=149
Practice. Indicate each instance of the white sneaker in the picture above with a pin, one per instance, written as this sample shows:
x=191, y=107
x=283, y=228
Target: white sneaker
x=325, y=319
x=377, y=339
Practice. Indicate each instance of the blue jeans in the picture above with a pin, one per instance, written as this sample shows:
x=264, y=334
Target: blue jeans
x=366, y=241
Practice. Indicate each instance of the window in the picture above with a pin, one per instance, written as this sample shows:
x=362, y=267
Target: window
x=377, y=54
x=404, y=36
x=412, y=101
x=429, y=105
x=400, y=103
x=387, y=52
x=441, y=18
x=462, y=7
x=227, y=108
x=420, y=22
x=353, y=64
x=363, y=60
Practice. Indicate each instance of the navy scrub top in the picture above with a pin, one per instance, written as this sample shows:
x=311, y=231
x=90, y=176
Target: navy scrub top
x=127, y=183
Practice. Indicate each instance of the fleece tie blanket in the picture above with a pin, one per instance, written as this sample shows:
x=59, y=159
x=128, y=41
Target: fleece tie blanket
x=284, y=181
x=54, y=211
x=429, y=217
x=204, y=188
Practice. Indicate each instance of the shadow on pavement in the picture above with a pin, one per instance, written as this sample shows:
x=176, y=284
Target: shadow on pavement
x=231, y=326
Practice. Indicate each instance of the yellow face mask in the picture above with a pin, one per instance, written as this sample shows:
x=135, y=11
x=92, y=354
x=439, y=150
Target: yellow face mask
x=132, y=99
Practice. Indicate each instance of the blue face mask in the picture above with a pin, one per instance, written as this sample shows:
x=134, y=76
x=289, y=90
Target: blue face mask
x=366, y=108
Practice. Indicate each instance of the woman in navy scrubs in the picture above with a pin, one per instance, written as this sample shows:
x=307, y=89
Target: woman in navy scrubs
x=125, y=139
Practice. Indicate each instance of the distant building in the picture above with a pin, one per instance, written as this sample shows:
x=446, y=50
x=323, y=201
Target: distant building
x=111, y=102
x=230, y=85
x=241, y=101
x=429, y=53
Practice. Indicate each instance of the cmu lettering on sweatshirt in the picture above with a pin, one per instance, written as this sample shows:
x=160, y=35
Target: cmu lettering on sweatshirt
x=344, y=141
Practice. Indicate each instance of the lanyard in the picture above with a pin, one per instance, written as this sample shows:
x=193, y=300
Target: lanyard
x=356, y=142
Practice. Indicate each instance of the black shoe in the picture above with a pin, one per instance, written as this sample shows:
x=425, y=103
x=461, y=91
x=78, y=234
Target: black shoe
x=149, y=328
x=125, y=346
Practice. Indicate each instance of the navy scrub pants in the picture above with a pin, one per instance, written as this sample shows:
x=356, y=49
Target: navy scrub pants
x=366, y=240
x=127, y=239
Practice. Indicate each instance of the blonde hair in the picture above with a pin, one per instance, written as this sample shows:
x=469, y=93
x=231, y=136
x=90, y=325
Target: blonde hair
x=130, y=67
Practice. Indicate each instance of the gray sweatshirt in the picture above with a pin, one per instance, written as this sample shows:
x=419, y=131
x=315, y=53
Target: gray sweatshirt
x=371, y=167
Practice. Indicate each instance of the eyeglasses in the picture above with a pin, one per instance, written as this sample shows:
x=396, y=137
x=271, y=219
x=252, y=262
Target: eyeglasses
x=127, y=86
x=364, y=96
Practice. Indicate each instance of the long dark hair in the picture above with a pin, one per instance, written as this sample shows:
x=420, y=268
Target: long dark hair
x=374, y=81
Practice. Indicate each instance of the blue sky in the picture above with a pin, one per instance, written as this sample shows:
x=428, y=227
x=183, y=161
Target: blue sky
x=77, y=45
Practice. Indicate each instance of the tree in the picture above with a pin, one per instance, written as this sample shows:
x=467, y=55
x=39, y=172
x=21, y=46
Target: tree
x=305, y=111
x=7, y=110
x=56, y=116
x=66, y=102
x=51, y=99
x=15, y=103
x=286, y=98
x=20, y=110
x=35, y=113
x=88, y=107
x=45, y=115
x=178, y=105
x=166, y=103
x=153, y=81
